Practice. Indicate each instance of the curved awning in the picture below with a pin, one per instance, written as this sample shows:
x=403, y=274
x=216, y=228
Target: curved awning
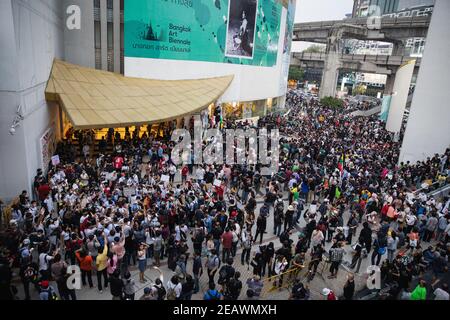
x=99, y=99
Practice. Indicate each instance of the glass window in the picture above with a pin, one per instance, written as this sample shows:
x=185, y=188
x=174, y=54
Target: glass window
x=110, y=4
x=96, y=3
x=110, y=32
x=97, y=35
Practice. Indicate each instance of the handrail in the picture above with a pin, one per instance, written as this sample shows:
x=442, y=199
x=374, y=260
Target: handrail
x=416, y=192
x=286, y=283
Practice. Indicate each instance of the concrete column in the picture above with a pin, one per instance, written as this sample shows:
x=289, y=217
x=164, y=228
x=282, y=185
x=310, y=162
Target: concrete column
x=427, y=131
x=399, y=48
x=330, y=75
x=104, y=32
x=389, y=86
x=116, y=28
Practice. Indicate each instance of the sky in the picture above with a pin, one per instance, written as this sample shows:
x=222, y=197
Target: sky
x=320, y=10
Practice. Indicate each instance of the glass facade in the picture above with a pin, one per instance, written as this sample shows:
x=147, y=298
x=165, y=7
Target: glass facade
x=98, y=45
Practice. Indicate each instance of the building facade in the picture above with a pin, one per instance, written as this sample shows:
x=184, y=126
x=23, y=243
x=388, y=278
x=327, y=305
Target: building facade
x=391, y=8
x=91, y=33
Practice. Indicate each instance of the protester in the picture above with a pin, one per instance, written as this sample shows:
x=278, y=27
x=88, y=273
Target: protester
x=333, y=167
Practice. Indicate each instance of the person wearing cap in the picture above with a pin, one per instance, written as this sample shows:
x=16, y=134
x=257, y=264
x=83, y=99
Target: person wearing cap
x=288, y=218
x=29, y=274
x=329, y=294
x=101, y=264
x=46, y=291
x=149, y=294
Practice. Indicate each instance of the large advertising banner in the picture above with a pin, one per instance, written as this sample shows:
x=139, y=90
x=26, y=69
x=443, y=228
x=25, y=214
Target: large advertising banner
x=288, y=34
x=225, y=31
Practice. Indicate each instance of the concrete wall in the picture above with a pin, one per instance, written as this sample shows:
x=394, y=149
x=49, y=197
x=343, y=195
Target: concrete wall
x=250, y=82
x=31, y=35
x=428, y=130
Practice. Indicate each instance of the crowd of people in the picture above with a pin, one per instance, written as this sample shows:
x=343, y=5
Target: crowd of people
x=112, y=212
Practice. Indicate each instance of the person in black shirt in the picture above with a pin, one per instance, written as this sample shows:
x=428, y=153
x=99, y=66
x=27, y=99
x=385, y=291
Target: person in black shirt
x=366, y=235
x=260, y=227
x=187, y=288
x=299, y=292
x=251, y=203
x=316, y=257
x=116, y=285
x=349, y=287
x=234, y=287
x=357, y=254
x=197, y=270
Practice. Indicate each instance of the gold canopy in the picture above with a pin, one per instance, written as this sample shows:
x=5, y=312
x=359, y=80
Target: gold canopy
x=99, y=99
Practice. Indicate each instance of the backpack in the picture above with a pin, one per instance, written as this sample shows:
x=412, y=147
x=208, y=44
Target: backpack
x=30, y=273
x=233, y=288
x=216, y=296
x=280, y=206
x=171, y=294
x=200, y=236
x=225, y=273
x=212, y=259
x=381, y=250
x=51, y=294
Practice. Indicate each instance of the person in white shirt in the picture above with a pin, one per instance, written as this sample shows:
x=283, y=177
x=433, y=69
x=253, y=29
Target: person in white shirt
x=410, y=221
x=200, y=174
x=173, y=289
x=178, y=229
x=49, y=203
x=44, y=259
x=442, y=293
x=280, y=265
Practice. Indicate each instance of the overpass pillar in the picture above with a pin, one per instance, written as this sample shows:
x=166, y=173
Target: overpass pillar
x=399, y=48
x=389, y=86
x=427, y=131
x=330, y=75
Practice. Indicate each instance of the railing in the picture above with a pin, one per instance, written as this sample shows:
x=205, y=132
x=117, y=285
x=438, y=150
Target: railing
x=270, y=283
x=435, y=188
x=392, y=60
x=400, y=22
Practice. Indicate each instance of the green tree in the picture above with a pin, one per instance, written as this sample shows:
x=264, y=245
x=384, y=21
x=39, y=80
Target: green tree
x=314, y=49
x=331, y=102
x=359, y=90
x=296, y=73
